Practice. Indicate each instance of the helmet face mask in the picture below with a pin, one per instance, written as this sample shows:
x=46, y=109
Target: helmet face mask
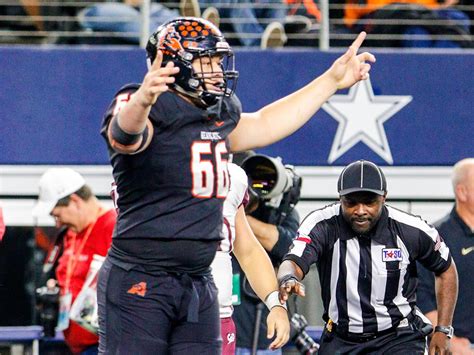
x=203, y=56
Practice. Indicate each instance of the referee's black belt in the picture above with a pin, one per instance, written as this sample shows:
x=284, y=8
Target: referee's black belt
x=364, y=337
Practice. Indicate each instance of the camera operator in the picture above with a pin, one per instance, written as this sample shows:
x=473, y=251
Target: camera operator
x=274, y=190
x=86, y=233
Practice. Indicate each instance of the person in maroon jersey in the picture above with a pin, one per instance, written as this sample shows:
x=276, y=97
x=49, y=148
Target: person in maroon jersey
x=168, y=140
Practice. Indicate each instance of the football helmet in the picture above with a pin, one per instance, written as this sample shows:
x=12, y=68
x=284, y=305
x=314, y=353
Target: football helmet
x=185, y=39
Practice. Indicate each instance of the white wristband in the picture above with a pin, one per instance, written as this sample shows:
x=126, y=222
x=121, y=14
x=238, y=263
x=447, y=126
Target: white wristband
x=272, y=300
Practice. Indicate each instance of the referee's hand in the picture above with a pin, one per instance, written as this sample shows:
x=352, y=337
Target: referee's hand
x=439, y=344
x=290, y=286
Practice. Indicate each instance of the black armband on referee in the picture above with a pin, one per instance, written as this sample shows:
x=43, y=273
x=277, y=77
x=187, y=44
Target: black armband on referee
x=122, y=137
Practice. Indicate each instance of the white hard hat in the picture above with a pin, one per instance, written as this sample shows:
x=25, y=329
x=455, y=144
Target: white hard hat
x=55, y=184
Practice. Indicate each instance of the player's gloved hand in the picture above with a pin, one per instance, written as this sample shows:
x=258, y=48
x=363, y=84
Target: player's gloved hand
x=278, y=325
x=156, y=81
x=351, y=67
x=290, y=285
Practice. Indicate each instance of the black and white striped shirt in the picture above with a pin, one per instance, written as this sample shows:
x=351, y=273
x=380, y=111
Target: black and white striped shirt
x=368, y=282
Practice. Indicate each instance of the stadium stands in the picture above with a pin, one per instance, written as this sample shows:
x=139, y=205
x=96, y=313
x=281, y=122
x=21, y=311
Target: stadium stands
x=55, y=22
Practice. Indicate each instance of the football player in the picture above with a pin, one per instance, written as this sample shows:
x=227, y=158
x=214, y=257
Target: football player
x=239, y=239
x=168, y=141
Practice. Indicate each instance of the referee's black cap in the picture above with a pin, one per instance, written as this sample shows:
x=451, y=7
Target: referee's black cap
x=362, y=175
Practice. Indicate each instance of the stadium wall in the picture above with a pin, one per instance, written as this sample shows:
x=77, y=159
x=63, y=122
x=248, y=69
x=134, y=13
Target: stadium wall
x=414, y=117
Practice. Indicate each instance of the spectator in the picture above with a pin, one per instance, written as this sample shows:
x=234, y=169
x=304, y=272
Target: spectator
x=64, y=194
x=274, y=227
x=60, y=22
x=458, y=230
x=255, y=23
x=468, y=9
x=427, y=18
x=124, y=18
x=239, y=239
x=365, y=253
x=20, y=21
x=307, y=8
x=32, y=9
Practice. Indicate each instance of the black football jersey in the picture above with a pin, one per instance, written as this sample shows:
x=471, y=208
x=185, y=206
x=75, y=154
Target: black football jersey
x=175, y=188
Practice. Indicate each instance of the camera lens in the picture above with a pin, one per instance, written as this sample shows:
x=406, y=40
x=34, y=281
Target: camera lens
x=48, y=306
x=305, y=344
x=303, y=341
x=268, y=177
x=262, y=174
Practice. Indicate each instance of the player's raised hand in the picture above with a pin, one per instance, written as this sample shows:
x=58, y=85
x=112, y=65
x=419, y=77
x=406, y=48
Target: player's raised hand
x=352, y=67
x=156, y=81
x=278, y=325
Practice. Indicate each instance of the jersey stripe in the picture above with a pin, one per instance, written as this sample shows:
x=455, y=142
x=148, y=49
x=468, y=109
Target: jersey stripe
x=364, y=287
x=353, y=297
x=341, y=289
x=402, y=302
x=379, y=280
x=333, y=311
x=317, y=216
x=298, y=247
x=418, y=222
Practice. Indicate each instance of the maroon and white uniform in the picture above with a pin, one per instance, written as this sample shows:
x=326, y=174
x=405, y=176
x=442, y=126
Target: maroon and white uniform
x=222, y=265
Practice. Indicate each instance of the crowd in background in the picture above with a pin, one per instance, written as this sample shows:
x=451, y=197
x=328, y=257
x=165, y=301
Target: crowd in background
x=273, y=32
x=263, y=23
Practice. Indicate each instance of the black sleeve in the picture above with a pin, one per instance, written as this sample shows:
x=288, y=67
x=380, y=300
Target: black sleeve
x=425, y=293
x=433, y=253
x=286, y=233
x=122, y=96
x=309, y=243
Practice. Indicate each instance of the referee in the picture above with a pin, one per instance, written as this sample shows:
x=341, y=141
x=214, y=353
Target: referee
x=365, y=252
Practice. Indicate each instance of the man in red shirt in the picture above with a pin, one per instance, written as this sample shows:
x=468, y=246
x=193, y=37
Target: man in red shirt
x=64, y=194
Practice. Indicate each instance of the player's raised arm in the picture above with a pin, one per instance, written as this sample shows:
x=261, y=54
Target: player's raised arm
x=127, y=127
x=283, y=117
x=133, y=115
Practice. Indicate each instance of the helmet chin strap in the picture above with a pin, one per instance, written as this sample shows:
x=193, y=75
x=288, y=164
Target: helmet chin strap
x=193, y=97
x=209, y=101
x=202, y=99
x=213, y=103
x=214, y=111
